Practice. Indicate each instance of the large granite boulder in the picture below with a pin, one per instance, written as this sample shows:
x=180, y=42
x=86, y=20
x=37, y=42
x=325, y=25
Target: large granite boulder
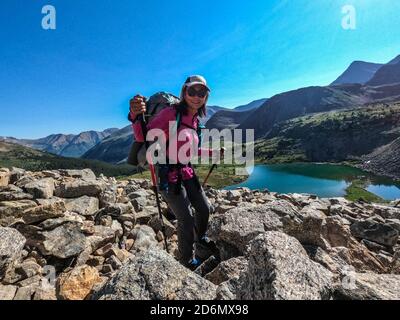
x=280, y=269
x=155, y=275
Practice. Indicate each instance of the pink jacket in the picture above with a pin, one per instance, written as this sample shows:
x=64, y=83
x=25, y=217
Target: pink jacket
x=161, y=121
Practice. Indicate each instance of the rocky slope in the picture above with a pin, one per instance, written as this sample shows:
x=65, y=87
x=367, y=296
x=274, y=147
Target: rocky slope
x=67, y=234
x=66, y=145
x=384, y=160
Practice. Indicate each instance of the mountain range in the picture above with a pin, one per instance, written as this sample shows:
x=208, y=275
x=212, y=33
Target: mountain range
x=66, y=145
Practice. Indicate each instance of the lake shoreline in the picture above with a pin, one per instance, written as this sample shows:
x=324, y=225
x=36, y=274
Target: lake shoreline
x=354, y=164
x=356, y=188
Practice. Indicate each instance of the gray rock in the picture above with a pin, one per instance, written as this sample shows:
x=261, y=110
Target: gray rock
x=63, y=242
x=117, y=209
x=372, y=246
x=85, y=174
x=221, y=209
x=101, y=236
x=55, y=174
x=41, y=213
x=52, y=200
x=43, y=188
x=108, y=196
x=139, y=203
x=227, y=270
x=26, y=293
x=339, y=201
x=234, y=195
x=374, y=231
x=144, y=216
x=4, y=177
x=11, y=211
x=369, y=286
x=156, y=224
x=16, y=174
x=13, y=193
x=11, y=245
x=331, y=262
x=307, y=226
x=45, y=292
x=51, y=224
x=10, y=188
x=114, y=262
x=279, y=269
x=395, y=265
x=233, y=230
x=155, y=275
x=144, y=237
x=84, y=205
x=29, y=268
x=7, y=292
x=225, y=292
x=387, y=212
x=346, y=247
x=79, y=188
x=25, y=179
x=117, y=227
x=138, y=194
x=394, y=223
x=32, y=281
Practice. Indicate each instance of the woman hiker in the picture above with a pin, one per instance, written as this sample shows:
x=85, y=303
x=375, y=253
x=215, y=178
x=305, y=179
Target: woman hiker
x=178, y=183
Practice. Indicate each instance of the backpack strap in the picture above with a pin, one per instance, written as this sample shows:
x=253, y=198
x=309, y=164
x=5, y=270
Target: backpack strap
x=178, y=120
x=198, y=130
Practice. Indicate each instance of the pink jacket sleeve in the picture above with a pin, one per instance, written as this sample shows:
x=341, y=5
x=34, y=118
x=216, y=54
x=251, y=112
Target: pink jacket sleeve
x=161, y=121
x=137, y=131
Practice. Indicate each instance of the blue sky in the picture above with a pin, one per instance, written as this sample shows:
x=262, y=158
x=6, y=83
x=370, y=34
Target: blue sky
x=81, y=75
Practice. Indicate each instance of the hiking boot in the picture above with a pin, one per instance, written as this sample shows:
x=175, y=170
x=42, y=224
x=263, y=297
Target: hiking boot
x=193, y=264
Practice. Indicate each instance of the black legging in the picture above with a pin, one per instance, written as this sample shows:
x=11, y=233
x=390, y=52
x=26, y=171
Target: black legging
x=191, y=226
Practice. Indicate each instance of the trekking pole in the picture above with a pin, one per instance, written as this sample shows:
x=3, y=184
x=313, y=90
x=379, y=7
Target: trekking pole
x=155, y=189
x=154, y=181
x=222, y=151
x=209, y=174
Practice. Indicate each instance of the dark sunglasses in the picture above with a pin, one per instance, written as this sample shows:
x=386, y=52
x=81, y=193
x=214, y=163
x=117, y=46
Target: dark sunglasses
x=201, y=93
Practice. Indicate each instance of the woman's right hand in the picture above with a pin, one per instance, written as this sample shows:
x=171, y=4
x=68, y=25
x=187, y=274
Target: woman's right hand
x=137, y=105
